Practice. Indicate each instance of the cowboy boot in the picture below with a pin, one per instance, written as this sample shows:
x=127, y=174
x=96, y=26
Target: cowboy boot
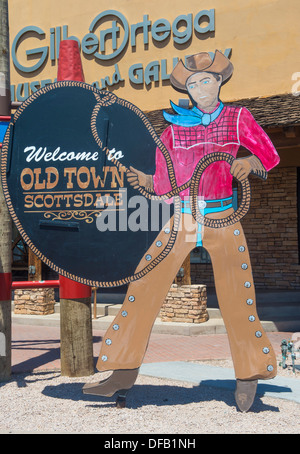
x=120, y=380
x=245, y=393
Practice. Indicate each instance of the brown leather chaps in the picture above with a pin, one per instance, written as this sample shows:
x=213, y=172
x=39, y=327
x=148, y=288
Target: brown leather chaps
x=126, y=340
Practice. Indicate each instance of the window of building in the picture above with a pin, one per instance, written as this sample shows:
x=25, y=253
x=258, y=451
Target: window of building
x=298, y=210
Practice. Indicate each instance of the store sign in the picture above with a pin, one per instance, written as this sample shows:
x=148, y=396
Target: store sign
x=110, y=35
x=96, y=44
x=63, y=166
x=3, y=128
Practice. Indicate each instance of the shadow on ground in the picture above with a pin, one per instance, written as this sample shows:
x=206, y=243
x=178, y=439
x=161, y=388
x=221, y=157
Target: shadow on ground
x=159, y=395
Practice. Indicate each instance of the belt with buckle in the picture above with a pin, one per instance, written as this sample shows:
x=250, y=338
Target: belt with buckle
x=220, y=203
x=209, y=204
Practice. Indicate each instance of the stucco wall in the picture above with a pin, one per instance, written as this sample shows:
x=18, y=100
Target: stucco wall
x=263, y=36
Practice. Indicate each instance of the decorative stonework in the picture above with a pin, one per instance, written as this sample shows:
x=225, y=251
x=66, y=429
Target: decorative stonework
x=34, y=301
x=185, y=303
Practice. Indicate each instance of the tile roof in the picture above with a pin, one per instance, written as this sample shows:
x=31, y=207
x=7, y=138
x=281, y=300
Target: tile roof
x=273, y=111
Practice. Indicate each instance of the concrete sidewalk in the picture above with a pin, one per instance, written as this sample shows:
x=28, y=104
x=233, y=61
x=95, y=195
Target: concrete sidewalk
x=222, y=377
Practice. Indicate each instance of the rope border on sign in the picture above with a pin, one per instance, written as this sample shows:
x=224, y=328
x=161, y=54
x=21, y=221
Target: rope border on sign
x=106, y=100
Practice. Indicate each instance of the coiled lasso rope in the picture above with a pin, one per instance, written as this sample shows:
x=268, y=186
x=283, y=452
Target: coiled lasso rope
x=106, y=99
x=193, y=184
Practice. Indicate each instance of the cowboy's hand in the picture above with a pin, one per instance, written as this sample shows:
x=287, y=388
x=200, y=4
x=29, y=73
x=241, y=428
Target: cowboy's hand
x=137, y=178
x=242, y=167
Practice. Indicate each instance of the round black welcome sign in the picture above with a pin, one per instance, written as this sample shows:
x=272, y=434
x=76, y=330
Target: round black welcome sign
x=63, y=169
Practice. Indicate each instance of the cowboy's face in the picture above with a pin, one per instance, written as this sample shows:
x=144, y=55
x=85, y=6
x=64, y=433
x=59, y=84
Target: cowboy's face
x=204, y=89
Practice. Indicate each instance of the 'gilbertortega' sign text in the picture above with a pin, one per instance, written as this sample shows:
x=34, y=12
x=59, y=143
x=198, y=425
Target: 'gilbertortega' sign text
x=109, y=35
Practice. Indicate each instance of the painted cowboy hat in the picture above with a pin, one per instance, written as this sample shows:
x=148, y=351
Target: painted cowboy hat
x=198, y=63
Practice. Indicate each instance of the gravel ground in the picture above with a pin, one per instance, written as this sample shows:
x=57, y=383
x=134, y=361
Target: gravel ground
x=46, y=402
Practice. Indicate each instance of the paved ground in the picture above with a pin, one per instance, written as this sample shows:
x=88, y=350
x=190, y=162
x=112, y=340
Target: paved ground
x=38, y=347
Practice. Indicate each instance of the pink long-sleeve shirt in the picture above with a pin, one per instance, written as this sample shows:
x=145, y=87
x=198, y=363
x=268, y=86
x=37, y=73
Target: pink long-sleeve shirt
x=234, y=127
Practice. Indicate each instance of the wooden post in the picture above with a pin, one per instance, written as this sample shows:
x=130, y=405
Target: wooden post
x=34, y=267
x=95, y=301
x=76, y=343
x=5, y=220
x=75, y=299
x=187, y=271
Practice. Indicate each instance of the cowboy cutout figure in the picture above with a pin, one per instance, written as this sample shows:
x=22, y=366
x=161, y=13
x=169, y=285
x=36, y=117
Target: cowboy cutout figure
x=209, y=127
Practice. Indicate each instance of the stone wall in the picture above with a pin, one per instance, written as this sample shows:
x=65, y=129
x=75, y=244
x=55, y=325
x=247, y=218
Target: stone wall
x=271, y=229
x=185, y=303
x=34, y=301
